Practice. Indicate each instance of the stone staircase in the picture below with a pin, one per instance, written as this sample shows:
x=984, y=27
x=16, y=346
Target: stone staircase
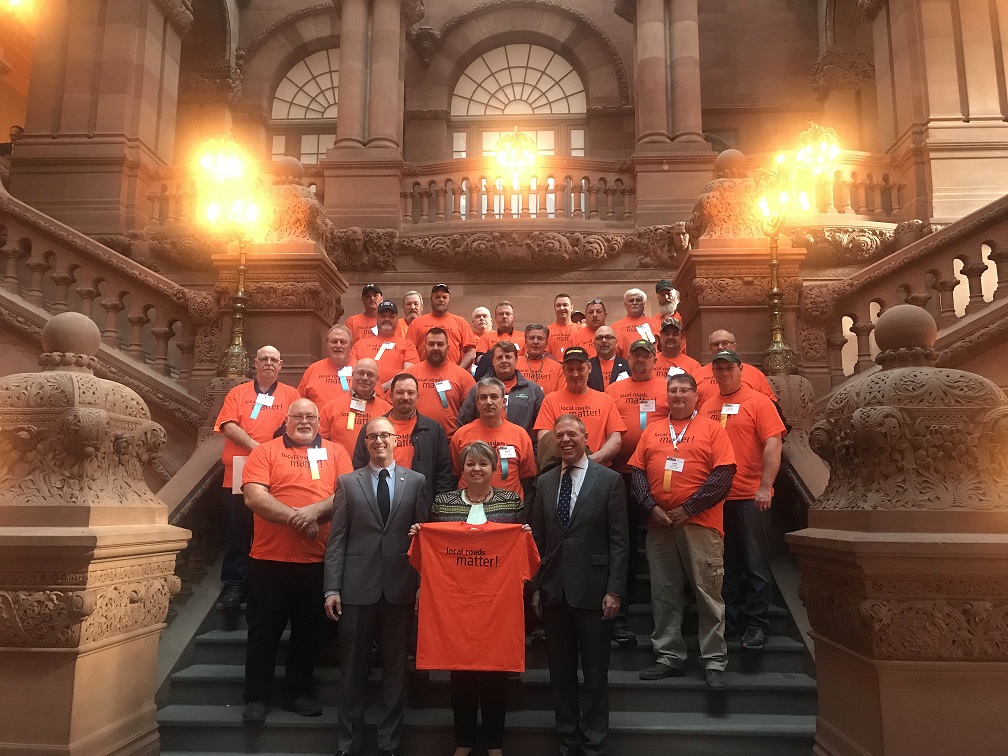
x=769, y=707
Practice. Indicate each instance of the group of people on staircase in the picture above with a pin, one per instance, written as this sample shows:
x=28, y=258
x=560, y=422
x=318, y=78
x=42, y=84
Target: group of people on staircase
x=421, y=474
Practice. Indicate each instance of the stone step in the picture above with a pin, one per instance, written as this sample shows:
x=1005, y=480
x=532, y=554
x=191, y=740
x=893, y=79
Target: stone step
x=219, y=729
x=757, y=693
x=782, y=654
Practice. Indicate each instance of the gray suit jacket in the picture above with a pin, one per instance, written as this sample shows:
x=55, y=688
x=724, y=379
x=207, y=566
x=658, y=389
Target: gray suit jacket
x=365, y=560
x=590, y=558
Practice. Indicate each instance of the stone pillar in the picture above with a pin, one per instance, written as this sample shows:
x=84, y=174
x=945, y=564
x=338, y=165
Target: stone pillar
x=684, y=70
x=904, y=564
x=651, y=67
x=384, y=108
x=353, y=64
x=101, y=110
x=86, y=556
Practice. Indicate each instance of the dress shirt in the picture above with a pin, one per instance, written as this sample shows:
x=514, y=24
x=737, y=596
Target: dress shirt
x=375, y=470
x=577, y=471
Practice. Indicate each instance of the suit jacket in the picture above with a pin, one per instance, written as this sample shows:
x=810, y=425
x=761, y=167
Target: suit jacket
x=430, y=454
x=365, y=559
x=590, y=558
x=595, y=376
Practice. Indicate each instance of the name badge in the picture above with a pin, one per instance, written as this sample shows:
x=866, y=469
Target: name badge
x=648, y=406
x=386, y=347
x=676, y=371
x=316, y=455
x=443, y=386
x=507, y=452
x=730, y=409
x=622, y=376
x=358, y=405
x=646, y=332
x=374, y=330
x=674, y=464
x=266, y=400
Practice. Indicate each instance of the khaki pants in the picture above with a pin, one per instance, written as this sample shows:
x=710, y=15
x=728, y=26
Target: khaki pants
x=675, y=555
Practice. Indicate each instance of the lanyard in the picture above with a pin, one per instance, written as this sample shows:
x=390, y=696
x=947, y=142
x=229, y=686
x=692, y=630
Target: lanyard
x=676, y=440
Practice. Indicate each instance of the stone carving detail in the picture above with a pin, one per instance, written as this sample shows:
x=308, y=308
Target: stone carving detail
x=368, y=249
x=536, y=249
x=426, y=40
x=413, y=11
x=843, y=246
x=212, y=82
x=727, y=207
x=610, y=110
x=842, y=68
x=297, y=215
x=811, y=343
x=870, y=8
x=656, y=246
x=260, y=39
x=742, y=290
x=178, y=13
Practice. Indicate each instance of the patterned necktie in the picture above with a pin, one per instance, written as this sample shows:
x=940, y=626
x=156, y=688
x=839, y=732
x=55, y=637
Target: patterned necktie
x=384, y=500
x=564, y=502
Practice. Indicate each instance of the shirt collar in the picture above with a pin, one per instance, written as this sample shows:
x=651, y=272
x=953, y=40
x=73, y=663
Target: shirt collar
x=291, y=444
x=269, y=391
x=375, y=470
x=581, y=464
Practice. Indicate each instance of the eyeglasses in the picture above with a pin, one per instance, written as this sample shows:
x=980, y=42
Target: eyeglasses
x=677, y=391
x=299, y=418
x=268, y=359
x=384, y=436
x=606, y=337
x=722, y=342
x=594, y=301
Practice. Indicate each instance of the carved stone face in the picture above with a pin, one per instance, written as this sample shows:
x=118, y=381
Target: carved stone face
x=355, y=241
x=680, y=237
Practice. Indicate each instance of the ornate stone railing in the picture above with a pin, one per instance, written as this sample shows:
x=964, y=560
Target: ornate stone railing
x=150, y=319
x=925, y=273
x=474, y=190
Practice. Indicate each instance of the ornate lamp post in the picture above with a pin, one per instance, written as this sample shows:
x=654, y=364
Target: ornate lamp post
x=231, y=206
x=784, y=190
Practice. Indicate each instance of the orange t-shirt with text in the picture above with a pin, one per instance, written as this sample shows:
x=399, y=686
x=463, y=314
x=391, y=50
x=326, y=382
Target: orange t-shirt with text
x=547, y=372
x=441, y=406
x=627, y=333
x=403, y=452
x=512, y=439
x=239, y=404
x=287, y=472
x=395, y=351
x=703, y=446
x=756, y=421
x=472, y=611
x=585, y=338
x=342, y=419
x=561, y=337
x=633, y=401
x=460, y=333
x=491, y=338
x=752, y=377
x=361, y=326
x=597, y=411
x=683, y=361
x=322, y=382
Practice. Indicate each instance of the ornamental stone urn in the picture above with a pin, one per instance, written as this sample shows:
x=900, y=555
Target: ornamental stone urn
x=86, y=556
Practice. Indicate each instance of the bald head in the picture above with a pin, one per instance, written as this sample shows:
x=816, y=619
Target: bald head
x=302, y=421
x=364, y=378
x=721, y=340
x=605, y=342
x=267, y=365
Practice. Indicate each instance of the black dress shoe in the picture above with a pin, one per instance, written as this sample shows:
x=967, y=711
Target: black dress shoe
x=624, y=636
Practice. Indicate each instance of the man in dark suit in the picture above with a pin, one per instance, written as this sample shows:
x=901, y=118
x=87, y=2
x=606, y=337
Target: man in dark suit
x=370, y=587
x=579, y=522
x=606, y=366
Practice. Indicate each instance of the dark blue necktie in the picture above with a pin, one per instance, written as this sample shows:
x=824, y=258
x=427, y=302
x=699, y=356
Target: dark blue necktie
x=564, y=502
x=384, y=500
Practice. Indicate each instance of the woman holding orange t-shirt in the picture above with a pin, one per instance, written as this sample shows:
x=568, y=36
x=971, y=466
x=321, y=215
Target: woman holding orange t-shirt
x=476, y=504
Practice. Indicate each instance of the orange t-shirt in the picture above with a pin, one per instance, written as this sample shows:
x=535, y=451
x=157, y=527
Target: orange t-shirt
x=401, y=329
x=342, y=419
x=597, y=411
x=547, y=372
x=403, y=452
x=585, y=338
x=441, y=404
x=239, y=404
x=561, y=337
x=394, y=352
x=627, y=333
x=361, y=326
x=472, y=611
x=634, y=401
x=460, y=333
x=752, y=377
x=656, y=322
x=703, y=447
x=749, y=426
x=684, y=362
x=491, y=338
x=322, y=381
x=607, y=368
x=287, y=472
x=515, y=457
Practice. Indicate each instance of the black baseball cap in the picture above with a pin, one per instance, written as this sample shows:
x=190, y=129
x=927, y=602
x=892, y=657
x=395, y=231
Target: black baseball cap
x=440, y=287
x=729, y=355
x=371, y=287
x=672, y=321
x=663, y=285
x=576, y=353
x=643, y=344
x=388, y=305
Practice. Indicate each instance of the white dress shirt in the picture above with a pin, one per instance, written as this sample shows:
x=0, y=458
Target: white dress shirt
x=578, y=470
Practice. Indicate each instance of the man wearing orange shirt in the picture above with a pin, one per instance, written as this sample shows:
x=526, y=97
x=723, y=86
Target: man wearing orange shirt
x=636, y=325
x=752, y=376
x=606, y=366
x=672, y=358
x=504, y=317
x=251, y=414
x=536, y=364
x=392, y=352
x=516, y=469
x=756, y=431
x=461, y=340
x=288, y=484
x=596, y=410
x=595, y=317
x=480, y=321
x=365, y=324
x=680, y=473
x=667, y=299
x=330, y=376
x=563, y=331
x=412, y=303
x=342, y=418
x=443, y=384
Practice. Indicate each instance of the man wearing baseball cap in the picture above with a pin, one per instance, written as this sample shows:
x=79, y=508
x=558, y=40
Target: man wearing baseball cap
x=365, y=324
x=595, y=409
x=755, y=429
x=752, y=376
x=392, y=352
x=668, y=304
x=461, y=339
x=672, y=357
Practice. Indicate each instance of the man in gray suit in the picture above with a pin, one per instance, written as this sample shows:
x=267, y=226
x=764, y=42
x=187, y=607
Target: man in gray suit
x=370, y=587
x=579, y=522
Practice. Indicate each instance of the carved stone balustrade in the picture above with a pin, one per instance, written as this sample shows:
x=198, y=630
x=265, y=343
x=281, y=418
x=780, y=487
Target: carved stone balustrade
x=904, y=564
x=87, y=556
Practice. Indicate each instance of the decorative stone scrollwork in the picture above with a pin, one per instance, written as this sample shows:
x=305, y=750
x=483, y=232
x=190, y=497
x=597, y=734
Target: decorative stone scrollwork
x=596, y=111
x=413, y=12
x=536, y=249
x=842, y=68
x=211, y=83
x=849, y=245
x=426, y=40
x=355, y=248
x=178, y=13
x=727, y=207
x=655, y=246
x=297, y=215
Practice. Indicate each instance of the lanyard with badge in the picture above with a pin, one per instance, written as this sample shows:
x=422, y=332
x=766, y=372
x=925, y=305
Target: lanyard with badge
x=356, y=405
x=262, y=400
x=506, y=451
x=676, y=463
x=726, y=410
x=443, y=387
x=385, y=347
x=316, y=454
x=343, y=374
x=645, y=332
x=648, y=405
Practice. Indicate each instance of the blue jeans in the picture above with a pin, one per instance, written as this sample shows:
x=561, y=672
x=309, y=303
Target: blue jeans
x=748, y=582
x=235, y=566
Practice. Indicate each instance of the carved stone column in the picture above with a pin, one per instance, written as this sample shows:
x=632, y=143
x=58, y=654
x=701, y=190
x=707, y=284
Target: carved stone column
x=86, y=556
x=384, y=108
x=904, y=565
x=684, y=71
x=651, y=67
x=353, y=73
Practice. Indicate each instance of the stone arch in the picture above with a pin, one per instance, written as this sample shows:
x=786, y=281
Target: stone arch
x=464, y=37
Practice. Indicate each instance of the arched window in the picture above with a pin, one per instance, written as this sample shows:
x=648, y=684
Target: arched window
x=520, y=85
x=303, y=117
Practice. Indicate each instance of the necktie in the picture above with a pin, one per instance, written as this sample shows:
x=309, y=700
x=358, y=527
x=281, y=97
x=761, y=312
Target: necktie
x=384, y=500
x=564, y=501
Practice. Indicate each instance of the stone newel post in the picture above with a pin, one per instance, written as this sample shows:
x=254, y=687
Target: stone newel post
x=86, y=556
x=904, y=564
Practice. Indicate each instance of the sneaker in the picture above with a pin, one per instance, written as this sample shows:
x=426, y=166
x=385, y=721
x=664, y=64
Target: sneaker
x=304, y=707
x=716, y=679
x=624, y=636
x=754, y=639
x=659, y=671
x=254, y=713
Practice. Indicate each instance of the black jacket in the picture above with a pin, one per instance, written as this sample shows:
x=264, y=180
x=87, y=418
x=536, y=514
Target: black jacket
x=595, y=377
x=524, y=400
x=430, y=454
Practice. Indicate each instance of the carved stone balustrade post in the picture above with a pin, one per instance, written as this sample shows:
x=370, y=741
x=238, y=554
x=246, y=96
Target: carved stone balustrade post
x=87, y=556
x=904, y=564
x=1000, y=259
